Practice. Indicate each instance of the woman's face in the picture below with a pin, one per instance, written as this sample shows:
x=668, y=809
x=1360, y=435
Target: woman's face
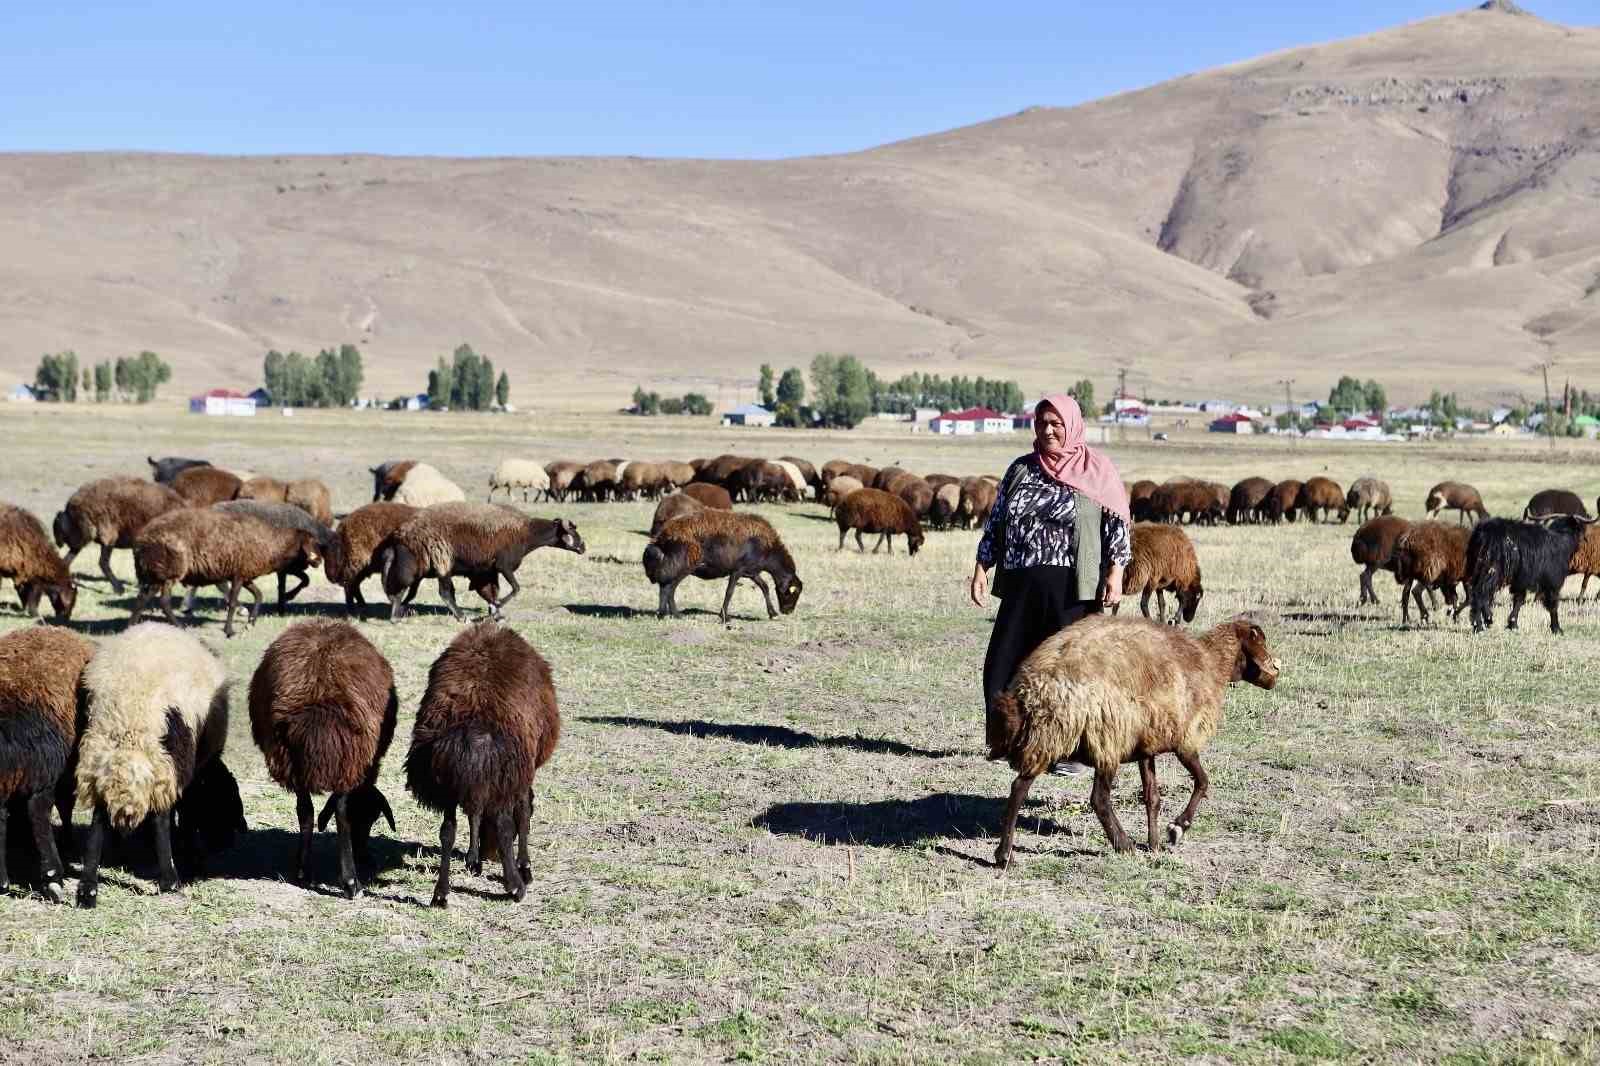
x=1050, y=429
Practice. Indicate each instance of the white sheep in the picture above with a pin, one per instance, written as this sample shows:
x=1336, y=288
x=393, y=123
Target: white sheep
x=424, y=486
x=524, y=474
x=796, y=478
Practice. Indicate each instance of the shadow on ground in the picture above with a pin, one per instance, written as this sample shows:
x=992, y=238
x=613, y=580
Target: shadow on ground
x=774, y=735
x=939, y=816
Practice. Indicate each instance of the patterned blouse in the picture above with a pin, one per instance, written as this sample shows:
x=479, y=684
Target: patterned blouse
x=1039, y=515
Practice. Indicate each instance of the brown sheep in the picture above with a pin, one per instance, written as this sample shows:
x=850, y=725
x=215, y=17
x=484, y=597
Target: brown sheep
x=1554, y=501
x=33, y=566
x=1141, y=500
x=388, y=477
x=1586, y=560
x=110, y=512
x=265, y=489
x=1431, y=556
x=946, y=503
x=1193, y=501
x=312, y=497
x=287, y=516
x=1455, y=496
x=1372, y=548
x=1369, y=497
x=562, y=475
x=323, y=711
x=1324, y=495
x=675, y=506
x=1107, y=691
x=713, y=496
x=863, y=473
x=875, y=511
x=678, y=474
x=352, y=556
x=978, y=496
x=720, y=471
x=939, y=481
x=1282, y=502
x=203, y=486
x=647, y=480
x=596, y=482
x=1244, y=498
x=717, y=544
x=760, y=481
x=832, y=469
x=164, y=470
x=838, y=489
x=478, y=541
x=487, y=723
x=199, y=546
x=916, y=492
x=885, y=478
x=1163, y=558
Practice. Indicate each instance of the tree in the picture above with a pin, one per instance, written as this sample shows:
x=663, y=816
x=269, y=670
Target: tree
x=765, y=386
x=792, y=388
x=671, y=405
x=272, y=378
x=56, y=379
x=441, y=383
x=88, y=381
x=696, y=404
x=1349, y=396
x=646, y=403
x=843, y=390
x=102, y=381
x=1377, y=399
x=502, y=390
x=485, y=390
x=350, y=374
x=1082, y=391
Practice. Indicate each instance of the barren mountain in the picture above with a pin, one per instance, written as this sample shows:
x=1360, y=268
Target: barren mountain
x=1421, y=205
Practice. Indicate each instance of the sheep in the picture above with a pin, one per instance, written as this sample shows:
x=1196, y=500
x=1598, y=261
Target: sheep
x=1369, y=497
x=1282, y=502
x=838, y=489
x=978, y=496
x=863, y=473
x=352, y=555
x=524, y=474
x=561, y=475
x=717, y=544
x=203, y=486
x=1456, y=496
x=1244, y=499
x=388, y=477
x=312, y=497
x=1372, y=548
x=713, y=496
x=1141, y=500
x=596, y=481
x=152, y=749
x=1586, y=559
x=808, y=473
x=322, y=710
x=424, y=486
x=1522, y=556
x=164, y=470
x=215, y=546
x=286, y=516
x=1321, y=494
x=946, y=502
x=110, y=512
x=1430, y=556
x=33, y=566
x=488, y=721
x=265, y=489
x=675, y=506
x=1555, y=501
x=1163, y=558
x=1110, y=690
x=649, y=480
x=1195, y=501
x=478, y=541
x=916, y=492
x=41, y=668
x=759, y=480
x=875, y=511
x=797, y=480
x=939, y=481
x=886, y=475
x=832, y=469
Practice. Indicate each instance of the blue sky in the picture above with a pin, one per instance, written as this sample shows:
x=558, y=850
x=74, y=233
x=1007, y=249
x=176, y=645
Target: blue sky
x=663, y=78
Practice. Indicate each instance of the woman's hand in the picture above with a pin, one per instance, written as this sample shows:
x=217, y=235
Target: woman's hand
x=980, y=585
x=1113, y=593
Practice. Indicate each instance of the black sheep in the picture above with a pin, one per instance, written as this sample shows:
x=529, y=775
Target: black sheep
x=1523, y=556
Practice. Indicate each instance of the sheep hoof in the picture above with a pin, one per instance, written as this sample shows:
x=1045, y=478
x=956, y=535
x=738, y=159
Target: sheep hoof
x=526, y=873
x=1002, y=858
x=88, y=897
x=517, y=896
x=55, y=891
x=441, y=901
x=175, y=888
x=475, y=869
x=1174, y=834
x=352, y=889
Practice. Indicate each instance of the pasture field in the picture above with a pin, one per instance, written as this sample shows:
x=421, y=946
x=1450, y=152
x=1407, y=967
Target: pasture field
x=771, y=841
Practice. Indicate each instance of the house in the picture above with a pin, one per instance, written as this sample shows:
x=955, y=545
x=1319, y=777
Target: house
x=1233, y=423
x=419, y=402
x=924, y=414
x=262, y=397
x=973, y=420
x=22, y=394
x=751, y=414
x=222, y=402
x=1499, y=415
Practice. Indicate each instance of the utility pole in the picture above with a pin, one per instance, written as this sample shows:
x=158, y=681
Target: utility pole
x=1549, y=409
x=1288, y=400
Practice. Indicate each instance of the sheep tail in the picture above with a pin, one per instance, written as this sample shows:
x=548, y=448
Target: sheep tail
x=131, y=774
x=1055, y=715
x=1002, y=725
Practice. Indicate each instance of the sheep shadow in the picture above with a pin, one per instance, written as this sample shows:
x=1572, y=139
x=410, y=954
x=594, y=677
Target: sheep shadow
x=606, y=610
x=777, y=736
x=270, y=854
x=937, y=817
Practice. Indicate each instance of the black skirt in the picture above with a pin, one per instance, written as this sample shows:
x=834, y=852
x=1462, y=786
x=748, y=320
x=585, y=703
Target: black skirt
x=1039, y=603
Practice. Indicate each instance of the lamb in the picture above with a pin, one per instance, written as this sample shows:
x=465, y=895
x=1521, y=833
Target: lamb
x=288, y=517
x=164, y=470
x=33, y=566
x=1369, y=497
x=1282, y=502
x=524, y=474
x=713, y=496
x=388, y=477
x=110, y=512
x=1110, y=690
x=1244, y=499
x=874, y=511
x=152, y=749
x=675, y=506
x=946, y=503
x=424, y=486
x=478, y=541
x=1524, y=557
x=978, y=496
x=838, y=489
x=1430, y=556
x=322, y=710
x=1321, y=494
x=1164, y=558
x=41, y=668
x=487, y=723
x=203, y=486
x=1555, y=501
x=1456, y=496
x=215, y=546
x=1372, y=548
x=561, y=475
x=716, y=544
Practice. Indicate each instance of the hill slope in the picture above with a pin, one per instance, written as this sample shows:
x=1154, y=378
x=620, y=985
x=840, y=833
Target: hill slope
x=1421, y=205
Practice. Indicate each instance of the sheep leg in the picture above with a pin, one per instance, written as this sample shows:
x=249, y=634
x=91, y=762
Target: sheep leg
x=105, y=567
x=347, y=858
x=1144, y=602
x=1422, y=606
x=447, y=844
x=1405, y=605
x=164, y=591
x=66, y=797
x=524, y=862
x=842, y=532
x=1202, y=786
x=514, y=886
x=766, y=594
x=1367, y=593
x=302, y=808
x=1161, y=607
x=1552, y=603
x=1100, y=800
x=511, y=579
x=1517, y=596
x=168, y=878
x=5, y=875
x=1152, y=800
x=44, y=838
x=89, y=878
x=727, y=597
x=285, y=597
x=663, y=601
x=1008, y=825
x=447, y=592
x=1583, y=588
x=474, y=861
x=189, y=598
x=860, y=544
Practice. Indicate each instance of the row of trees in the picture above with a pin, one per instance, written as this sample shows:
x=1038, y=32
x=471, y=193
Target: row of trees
x=1351, y=396
x=133, y=379
x=467, y=382
x=653, y=403
x=331, y=379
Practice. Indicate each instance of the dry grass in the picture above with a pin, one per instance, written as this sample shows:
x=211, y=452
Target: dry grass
x=771, y=840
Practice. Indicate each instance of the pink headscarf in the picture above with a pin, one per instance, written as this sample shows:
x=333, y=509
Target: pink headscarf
x=1077, y=465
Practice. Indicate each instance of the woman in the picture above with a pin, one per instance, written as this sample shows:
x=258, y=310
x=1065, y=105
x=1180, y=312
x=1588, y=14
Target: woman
x=1059, y=531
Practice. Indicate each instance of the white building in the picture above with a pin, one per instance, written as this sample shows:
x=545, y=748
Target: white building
x=751, y=414
x=972, y=420
x=222, y=402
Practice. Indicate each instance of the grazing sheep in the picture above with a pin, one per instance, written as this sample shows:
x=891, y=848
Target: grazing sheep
x=717, y=544
x=713, y=496
x=110, y=512
x=916, y=492
x=289, y=517
x=1192, y=501
x=312, y=497
x=487, y=723
x=808, y=473
x=265, y=489
x=1369, y=497
x=886, y=476
x=596, y=482
x=424, y=486
x=978, y=496
x=215, y=546
x=1244, y=499
x=1163, y=558
x=797, y=480
x=40, y=672
x=832, y=469
x=203, y=486
x=720, y=471
x=1109, y=690
x=524, y=474
x=875, y=511
x=946, y=503
x=1321, y=494
x=1282, y=502
x=164, y=470
x=838, y=489
x=479, y=541
x=388, y=477
x=1430, y=556
x=1455, y=496
x=648, y=480
x=561, y=475
x=152, y=748
x=863, y=473
x=1555, y=501
x=675, y=506
x=1141, y=500
x=1586, y=559
x=352, y=556
x=1372, y=548
x=1524, y=557
x=759, y=481
x=33, y=566
x=322, y=711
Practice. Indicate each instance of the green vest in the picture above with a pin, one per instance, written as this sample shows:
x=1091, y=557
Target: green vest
x=1090, y=573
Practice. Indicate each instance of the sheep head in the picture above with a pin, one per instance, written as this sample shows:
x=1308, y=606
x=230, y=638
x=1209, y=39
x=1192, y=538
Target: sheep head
x=1189, y=601
x=567, y=537
x=914, y=540
x=788, y=594
x=1255, y=663
x=211, y=807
